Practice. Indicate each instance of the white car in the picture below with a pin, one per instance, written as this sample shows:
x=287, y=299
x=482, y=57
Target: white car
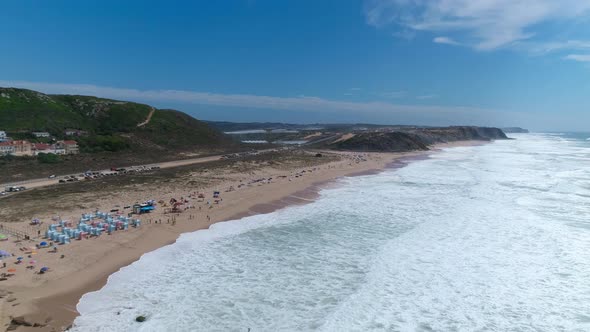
x=52, y=176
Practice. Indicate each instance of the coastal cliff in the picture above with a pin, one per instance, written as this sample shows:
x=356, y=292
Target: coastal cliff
x=415, y=139
x=515, y=130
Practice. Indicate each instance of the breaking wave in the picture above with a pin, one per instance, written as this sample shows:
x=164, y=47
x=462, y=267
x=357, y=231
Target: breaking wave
x=486, y=238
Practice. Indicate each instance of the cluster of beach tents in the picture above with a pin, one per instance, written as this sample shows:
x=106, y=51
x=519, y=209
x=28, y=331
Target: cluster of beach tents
x=90, y=224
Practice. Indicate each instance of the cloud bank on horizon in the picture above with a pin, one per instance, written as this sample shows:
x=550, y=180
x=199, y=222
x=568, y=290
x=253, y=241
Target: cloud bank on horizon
x=487, y=25
x=300, y=103
x=436, y=115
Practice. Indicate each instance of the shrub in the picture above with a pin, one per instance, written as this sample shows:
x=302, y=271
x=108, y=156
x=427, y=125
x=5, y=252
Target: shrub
x=48, y=158
x=101, y=143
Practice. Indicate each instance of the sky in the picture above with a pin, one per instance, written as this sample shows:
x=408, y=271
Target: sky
x=427, y=62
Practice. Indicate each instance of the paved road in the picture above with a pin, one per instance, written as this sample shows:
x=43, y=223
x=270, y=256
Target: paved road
x=42, y=182
x=37, y=183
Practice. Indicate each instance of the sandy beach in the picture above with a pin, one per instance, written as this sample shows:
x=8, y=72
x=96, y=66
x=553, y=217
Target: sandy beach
x=48, y=301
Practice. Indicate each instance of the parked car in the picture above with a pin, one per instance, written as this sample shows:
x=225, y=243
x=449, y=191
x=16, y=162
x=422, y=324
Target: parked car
x=52, y=176
x=15, y=189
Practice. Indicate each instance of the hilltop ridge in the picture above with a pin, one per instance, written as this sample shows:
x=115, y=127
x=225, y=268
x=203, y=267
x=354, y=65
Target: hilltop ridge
x=137, y=125
x=415, y=139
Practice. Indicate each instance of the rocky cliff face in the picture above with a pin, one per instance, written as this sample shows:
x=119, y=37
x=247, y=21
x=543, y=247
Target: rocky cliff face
x=452, y=134
x=515, y=130
x=386, y=142
x=416, y=139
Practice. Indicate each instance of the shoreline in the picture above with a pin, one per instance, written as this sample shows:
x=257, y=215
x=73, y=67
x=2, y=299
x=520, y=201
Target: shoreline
x=57, y=299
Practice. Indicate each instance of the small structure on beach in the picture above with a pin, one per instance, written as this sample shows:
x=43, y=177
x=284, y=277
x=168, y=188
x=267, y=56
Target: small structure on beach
x=145, y=207
x=177, y=207
x=90, y=224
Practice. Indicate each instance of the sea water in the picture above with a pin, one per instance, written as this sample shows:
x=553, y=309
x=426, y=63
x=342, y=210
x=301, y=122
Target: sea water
x=484, y=238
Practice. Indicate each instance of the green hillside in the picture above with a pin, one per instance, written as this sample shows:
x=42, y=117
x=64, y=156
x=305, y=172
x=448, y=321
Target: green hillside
x=111, y=124
x=24, y=110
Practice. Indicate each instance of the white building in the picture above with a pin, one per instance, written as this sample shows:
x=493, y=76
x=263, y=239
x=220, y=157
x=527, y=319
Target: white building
x=6, y=148
x=41, y=134
x=3, y=136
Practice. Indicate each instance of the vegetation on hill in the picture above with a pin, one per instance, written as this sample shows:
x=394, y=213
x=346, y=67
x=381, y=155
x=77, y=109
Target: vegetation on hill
x=414, y=139
x=111, y=125
x=117, y=133
x=378, y=141
x=186, y=131
x=26, y=110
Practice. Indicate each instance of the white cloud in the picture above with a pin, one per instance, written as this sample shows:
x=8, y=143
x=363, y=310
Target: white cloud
x=548, y=47
x=392, y=94
x=578, y=57
x=482, y=24
x=406, y=34
x=423, y=97
x=445, y=40
x=301, y=103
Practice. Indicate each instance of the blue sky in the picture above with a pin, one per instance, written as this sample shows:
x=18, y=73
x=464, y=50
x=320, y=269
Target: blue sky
x=436, y=62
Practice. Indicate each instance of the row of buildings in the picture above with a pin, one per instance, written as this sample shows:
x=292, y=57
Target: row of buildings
x=8, y=146
x=26, y=148
x=67, y=132
x=43, y=134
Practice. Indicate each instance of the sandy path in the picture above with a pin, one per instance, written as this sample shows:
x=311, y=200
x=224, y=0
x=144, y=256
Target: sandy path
x=149, y=117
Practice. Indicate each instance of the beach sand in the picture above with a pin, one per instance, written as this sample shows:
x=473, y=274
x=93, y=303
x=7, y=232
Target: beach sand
x=50, y=300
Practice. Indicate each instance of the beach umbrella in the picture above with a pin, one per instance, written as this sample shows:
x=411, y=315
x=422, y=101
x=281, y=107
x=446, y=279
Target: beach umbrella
x=43, y=243
x=11, y=270
x=44, y=269
x=4, y=253
x=19, y=258
x=3, y=237
x=32, y=262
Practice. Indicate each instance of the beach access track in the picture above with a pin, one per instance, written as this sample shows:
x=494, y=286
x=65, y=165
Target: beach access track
x=43, y=182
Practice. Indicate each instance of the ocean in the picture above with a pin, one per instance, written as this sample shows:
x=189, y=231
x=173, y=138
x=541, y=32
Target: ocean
x=482, y=238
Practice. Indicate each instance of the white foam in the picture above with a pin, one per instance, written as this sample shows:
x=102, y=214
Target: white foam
x=493, y=237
